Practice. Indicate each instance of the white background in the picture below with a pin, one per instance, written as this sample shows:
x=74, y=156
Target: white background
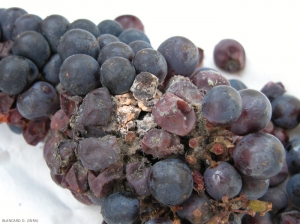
x=268, y=30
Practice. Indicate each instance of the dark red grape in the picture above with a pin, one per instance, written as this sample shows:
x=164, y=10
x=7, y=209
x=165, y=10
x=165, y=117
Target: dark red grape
x=230, y=55
x=150, y=60
x=293, y=189
x=130, y=21
x=98, y=153
x=59, y=120
x=77, y=178
x=39, y=101
x=256, y=113
x=122, y=208
x=181, y=55
x=6, y=101
x=170, y=181
x=35, y=131
x=6, y=49
x=96, y=108
x=281, y=134
x=259, y=155
x=289, y=217
x=174, y=114
x=102, y=184
x=222, y=105
x=205, y=80
x=69, y=103
x=160, y=143
x=222, y=180
x=196, y=209
x=272, y=90
x=286, y=111
x=79, y=74
x=137, y=177
x=277, y=197
x=111, y=27
x=82, y=198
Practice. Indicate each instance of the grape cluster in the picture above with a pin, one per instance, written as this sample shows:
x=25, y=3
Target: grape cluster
x=147, y=134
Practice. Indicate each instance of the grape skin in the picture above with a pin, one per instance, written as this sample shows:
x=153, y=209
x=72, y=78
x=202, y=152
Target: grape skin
x=85, y=24
x=222, y=105
x=170, y=181
x=259, y=155
x=111, y=27
x=222, y=180
x=293, y=189
x=293, y=155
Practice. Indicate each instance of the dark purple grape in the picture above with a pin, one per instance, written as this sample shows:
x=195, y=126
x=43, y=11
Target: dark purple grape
x=149, y=60
x=16, y=73
x=79, y=74
x=130, y=35
x=53, y=28
x=130, y=21
x=96, y=108
x=82, y=198
x=286, y=111
x=6, y=49
x=52, y=137
x=281, y=134
x=15, y=129
x=35, y=131
x=196, y=209
x=51, y=69
x=185, y=90
x=222, y=105
x=138, y=45
x=34, y=46
x=281, y=176
x=207, y=79
x=115, y=49
x=259, y=155
x=137, y=177
x=59, y=120
x=272, y=90
x=230, y=55
x=98, y=153
x=104, y=182
x=25, y=23
x=69, y=103
x=222, y=180
x=7, y=18
x=85, y=24
x=76, y=178
x=122, y=208
x=159, y=221
x=39, y=101
x=277, y=197
x=160, y=143
x=174, y=114
x=170, y=181
x=256, y=113
x=254, y=188
x=78, y=41
x=293, y=189
x=237, y=84
x=106, y=39
x=258, y=219
x=60, y=156
x=111, y=27
x=289, y=217
x=181, y=55
x=117, y=75
x=293, y=155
